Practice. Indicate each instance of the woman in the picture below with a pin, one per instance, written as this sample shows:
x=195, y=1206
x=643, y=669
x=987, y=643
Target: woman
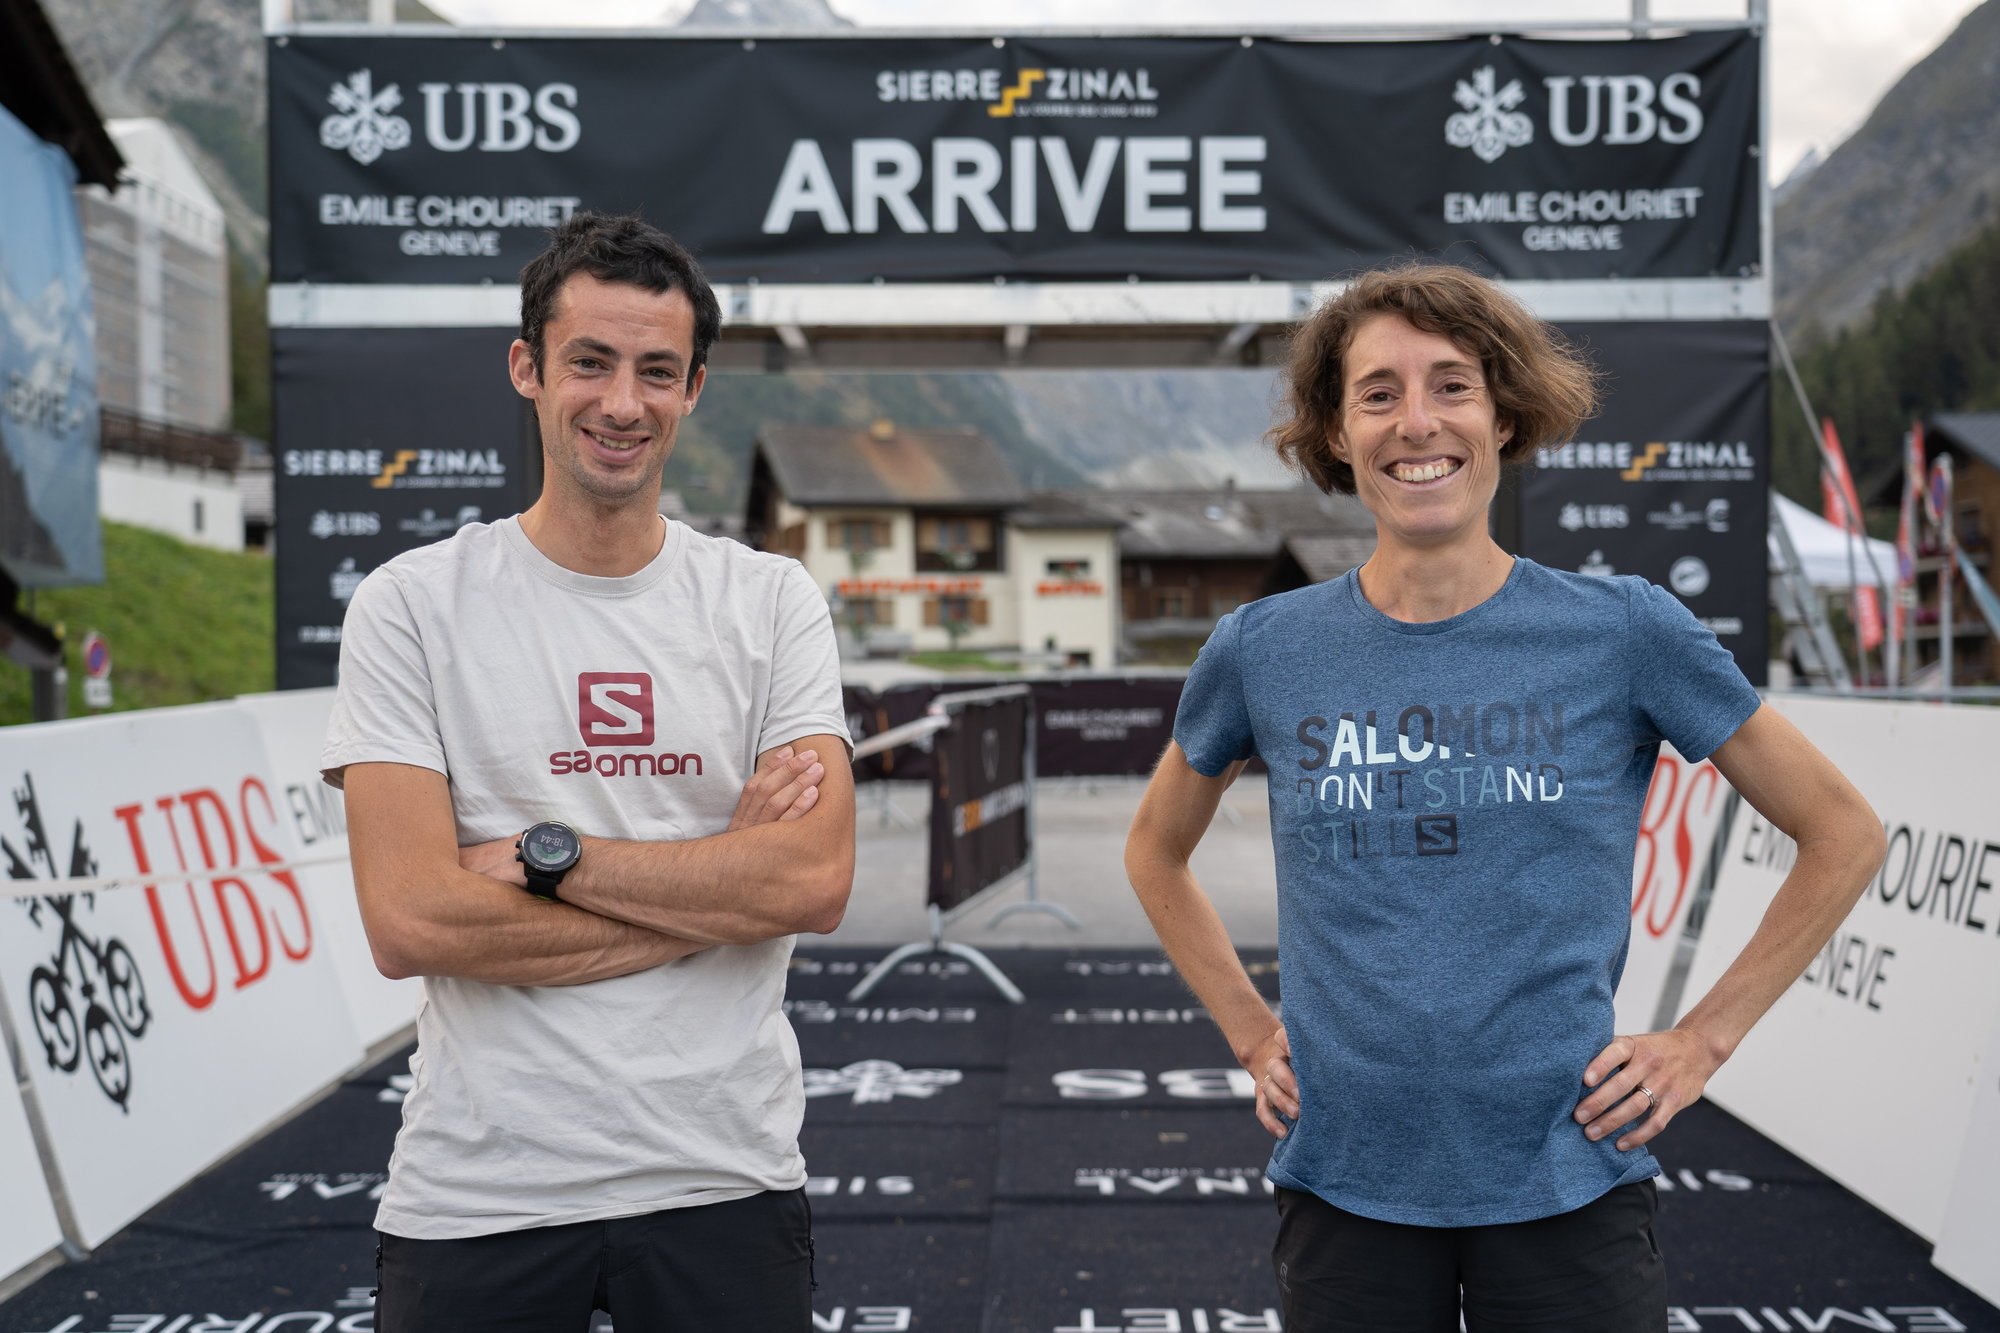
x=1459, y=743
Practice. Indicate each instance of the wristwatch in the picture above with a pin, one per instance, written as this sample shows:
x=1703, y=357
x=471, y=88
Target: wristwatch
x=548, y=851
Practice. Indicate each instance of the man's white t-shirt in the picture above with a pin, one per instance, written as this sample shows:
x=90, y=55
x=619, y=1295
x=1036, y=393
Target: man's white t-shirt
x=627, y=708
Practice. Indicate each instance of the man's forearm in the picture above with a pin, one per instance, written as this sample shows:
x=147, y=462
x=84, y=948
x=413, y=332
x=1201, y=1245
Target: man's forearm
x=480, y=929
x=739, y=887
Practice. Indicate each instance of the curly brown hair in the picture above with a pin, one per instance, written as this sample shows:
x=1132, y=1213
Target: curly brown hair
x=1540, y=383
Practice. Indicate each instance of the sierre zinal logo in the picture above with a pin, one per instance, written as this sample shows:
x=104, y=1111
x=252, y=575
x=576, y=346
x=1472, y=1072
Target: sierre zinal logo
x=364, y=125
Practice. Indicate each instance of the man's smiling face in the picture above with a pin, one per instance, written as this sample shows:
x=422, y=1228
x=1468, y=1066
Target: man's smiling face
x=612, y=388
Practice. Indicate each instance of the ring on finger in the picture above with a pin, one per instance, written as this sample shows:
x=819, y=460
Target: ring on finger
x=1651, y=1100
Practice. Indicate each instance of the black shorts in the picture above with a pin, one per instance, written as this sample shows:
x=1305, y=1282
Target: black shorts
x=745, y=1264
x=1592, y=1270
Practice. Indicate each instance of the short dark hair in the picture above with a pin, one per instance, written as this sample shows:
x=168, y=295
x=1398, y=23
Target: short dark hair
x=615, y=248
x=1541, y=385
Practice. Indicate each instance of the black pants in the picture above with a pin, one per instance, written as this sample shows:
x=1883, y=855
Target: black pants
x=742, y=1265
x=1593, y=1270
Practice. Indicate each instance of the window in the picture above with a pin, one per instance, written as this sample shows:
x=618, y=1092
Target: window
x=867, y=611
x=1068, y=569
x=197, y=516
x=956, y=610
x=957, y=542
x=1170, y=603
x=859, y=535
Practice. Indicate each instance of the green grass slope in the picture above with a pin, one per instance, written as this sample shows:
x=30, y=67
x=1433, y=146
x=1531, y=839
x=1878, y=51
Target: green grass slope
x=184, y=623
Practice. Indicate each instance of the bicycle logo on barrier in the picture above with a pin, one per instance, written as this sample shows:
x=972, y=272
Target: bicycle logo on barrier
x=99, y=977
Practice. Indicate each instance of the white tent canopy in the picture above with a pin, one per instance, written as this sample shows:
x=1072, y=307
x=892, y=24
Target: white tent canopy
x=1824, y=549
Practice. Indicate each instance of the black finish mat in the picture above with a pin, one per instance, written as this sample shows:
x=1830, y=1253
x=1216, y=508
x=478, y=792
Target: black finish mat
x=964, y=1034
x=862, y=1173
x=1086, y=1162
x=1120, y=1266
x=1120, y=1155
x=1123, y=1055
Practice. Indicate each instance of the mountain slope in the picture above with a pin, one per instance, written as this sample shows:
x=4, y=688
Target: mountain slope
x=1913, y=183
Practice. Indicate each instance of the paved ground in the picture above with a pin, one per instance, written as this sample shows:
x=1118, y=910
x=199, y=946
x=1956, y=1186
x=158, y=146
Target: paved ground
x=1081, y=830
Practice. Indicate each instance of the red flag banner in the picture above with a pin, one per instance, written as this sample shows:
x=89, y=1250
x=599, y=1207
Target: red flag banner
x=1843, y=510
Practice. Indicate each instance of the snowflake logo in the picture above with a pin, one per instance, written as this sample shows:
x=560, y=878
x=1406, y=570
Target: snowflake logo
x=364, y=127
x=1489, y=125
x=1572, y=517
x=876, y=1081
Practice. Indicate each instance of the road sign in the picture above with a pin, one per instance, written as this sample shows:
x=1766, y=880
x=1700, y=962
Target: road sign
x=96, y=656
x=96, y=671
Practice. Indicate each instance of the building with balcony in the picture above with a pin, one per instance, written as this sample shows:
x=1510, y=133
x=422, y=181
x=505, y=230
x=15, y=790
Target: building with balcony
x=924, y=540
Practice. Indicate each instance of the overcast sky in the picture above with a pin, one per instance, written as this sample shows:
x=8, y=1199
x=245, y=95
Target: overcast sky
x=1831, y=59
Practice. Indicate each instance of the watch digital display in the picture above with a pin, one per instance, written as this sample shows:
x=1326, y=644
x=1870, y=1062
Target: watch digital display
x=549, y=848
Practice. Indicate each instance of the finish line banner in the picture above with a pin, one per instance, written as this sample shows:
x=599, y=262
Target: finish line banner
x=444, y=160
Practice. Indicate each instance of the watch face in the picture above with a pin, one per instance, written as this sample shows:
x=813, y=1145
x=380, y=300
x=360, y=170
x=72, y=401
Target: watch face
x=547, y=847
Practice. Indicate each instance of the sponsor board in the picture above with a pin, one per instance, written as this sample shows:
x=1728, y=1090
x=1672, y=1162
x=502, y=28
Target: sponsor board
x=351, y=486
x=443, y=160
x=1906, y=989
x=1677, y=827
x=28, y=1227
x=193, y=1004
x=49, y=423
x=1669, y=481
x=293, y=727
x=1968, y=1246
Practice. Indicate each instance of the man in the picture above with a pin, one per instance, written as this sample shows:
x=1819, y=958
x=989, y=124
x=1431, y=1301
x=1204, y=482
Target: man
x=597, y=778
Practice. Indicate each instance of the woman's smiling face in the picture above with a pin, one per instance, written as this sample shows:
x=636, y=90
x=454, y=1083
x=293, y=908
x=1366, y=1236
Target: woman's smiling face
x=1419, y=428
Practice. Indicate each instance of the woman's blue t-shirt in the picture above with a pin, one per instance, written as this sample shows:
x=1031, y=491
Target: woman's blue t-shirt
x=1454, y=807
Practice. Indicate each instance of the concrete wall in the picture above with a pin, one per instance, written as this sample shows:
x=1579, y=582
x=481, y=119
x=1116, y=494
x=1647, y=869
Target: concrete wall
x=192, y=504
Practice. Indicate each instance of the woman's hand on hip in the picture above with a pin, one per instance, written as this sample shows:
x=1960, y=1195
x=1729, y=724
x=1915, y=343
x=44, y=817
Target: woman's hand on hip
x=1647, y=1079
x=1277, y=1090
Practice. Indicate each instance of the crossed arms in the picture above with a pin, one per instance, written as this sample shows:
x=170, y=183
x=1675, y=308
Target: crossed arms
x=431, y=908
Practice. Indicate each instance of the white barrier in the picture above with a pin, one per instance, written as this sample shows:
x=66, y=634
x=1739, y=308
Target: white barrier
x=1677, y=828
x=28, y=1227
x=221, y=1001
x=293, y=725
x=1969, y=1246
x=164, y=1024
x=1866, y=1067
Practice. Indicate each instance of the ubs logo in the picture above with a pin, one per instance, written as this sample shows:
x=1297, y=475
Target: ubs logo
x=1596, y=108
x=614, y=707
x=491, y=117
